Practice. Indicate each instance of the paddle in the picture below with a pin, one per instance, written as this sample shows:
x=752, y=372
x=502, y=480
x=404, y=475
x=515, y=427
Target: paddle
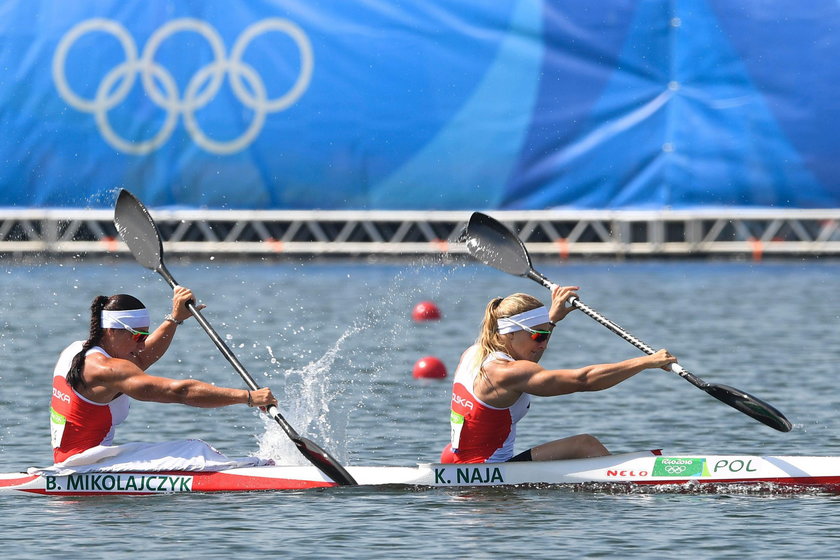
x=495, y=245
x=140, y=233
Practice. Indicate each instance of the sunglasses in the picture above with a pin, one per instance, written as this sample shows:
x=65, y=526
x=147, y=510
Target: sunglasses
x=536, y=336
x=136, y=335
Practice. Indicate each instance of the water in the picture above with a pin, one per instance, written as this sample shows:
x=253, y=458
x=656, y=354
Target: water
x=336, y=342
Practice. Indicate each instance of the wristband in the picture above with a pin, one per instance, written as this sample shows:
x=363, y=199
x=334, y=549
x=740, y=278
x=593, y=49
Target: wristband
x=172, y=319
x=250, y=403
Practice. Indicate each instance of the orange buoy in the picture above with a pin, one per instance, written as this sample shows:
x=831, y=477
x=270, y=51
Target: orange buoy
x=429, y=368
x=425, y=311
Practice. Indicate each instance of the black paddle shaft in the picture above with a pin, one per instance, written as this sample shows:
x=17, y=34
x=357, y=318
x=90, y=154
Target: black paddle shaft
x=139, y=231
x=617, y=329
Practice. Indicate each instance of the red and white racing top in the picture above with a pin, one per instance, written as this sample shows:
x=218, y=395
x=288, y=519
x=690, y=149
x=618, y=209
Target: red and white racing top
x=480, y=433
x=76, y=423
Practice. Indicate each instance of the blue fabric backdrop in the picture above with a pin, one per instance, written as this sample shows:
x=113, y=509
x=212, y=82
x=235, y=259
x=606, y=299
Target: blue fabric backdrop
x=409, y=104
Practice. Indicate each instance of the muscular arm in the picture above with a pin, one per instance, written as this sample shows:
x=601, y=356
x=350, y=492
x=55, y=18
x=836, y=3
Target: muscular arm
x=110, y=376
x=185, y=391
x=523, y=376
x=157, y=344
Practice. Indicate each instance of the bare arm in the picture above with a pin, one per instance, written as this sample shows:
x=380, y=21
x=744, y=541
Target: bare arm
x=110, y=376
x=523, y=376
x=158, y=342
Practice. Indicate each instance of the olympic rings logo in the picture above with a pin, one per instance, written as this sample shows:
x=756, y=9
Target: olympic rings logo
x=675, y=469
x=201, y=89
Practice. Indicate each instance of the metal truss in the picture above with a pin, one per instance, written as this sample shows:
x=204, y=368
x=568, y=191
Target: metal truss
x=551, y=233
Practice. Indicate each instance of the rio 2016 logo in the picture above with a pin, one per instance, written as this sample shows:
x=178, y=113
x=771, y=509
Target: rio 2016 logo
x=160, y=86
x=686, y=467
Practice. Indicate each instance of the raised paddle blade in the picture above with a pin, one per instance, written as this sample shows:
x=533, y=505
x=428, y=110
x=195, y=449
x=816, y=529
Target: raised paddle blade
x=137, y=228
x=495, y=245
x=750, y=405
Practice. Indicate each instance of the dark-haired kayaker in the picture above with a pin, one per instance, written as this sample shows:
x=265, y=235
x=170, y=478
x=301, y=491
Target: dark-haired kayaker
x=95, y=380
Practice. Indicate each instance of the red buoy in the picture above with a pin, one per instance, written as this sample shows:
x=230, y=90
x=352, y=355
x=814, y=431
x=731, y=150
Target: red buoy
x=425, y=311
x=429, y=368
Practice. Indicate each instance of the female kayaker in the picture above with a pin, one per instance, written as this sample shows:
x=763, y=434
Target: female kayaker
x=496, y=376
x=95, y=379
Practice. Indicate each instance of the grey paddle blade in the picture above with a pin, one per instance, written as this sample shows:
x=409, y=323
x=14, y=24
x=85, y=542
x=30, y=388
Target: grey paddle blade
x=495, y=245
x=137, y=228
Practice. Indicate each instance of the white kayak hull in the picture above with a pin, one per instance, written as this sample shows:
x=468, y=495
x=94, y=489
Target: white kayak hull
x=677, y=473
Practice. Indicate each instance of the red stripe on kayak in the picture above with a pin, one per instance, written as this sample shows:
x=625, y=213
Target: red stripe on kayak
x=75, y=493
x=17, y=481
x=223, y=482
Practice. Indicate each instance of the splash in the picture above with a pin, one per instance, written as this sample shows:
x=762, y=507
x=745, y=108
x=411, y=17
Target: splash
x=307, y=403
x=320, y=399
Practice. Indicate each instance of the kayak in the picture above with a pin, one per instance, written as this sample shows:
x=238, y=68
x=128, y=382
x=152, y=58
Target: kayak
x=629, y=471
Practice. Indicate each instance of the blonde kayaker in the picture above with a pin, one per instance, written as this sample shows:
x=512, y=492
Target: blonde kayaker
x=94, y=380
x=497, y=375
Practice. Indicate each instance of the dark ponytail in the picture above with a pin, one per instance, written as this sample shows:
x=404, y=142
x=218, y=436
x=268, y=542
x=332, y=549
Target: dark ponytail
x=117, y=302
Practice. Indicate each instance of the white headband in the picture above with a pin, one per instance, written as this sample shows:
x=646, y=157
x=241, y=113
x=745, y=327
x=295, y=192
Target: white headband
x=530, y=318
x=134, y=318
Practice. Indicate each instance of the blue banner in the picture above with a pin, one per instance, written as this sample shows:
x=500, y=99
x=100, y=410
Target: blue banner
x=403, y=104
